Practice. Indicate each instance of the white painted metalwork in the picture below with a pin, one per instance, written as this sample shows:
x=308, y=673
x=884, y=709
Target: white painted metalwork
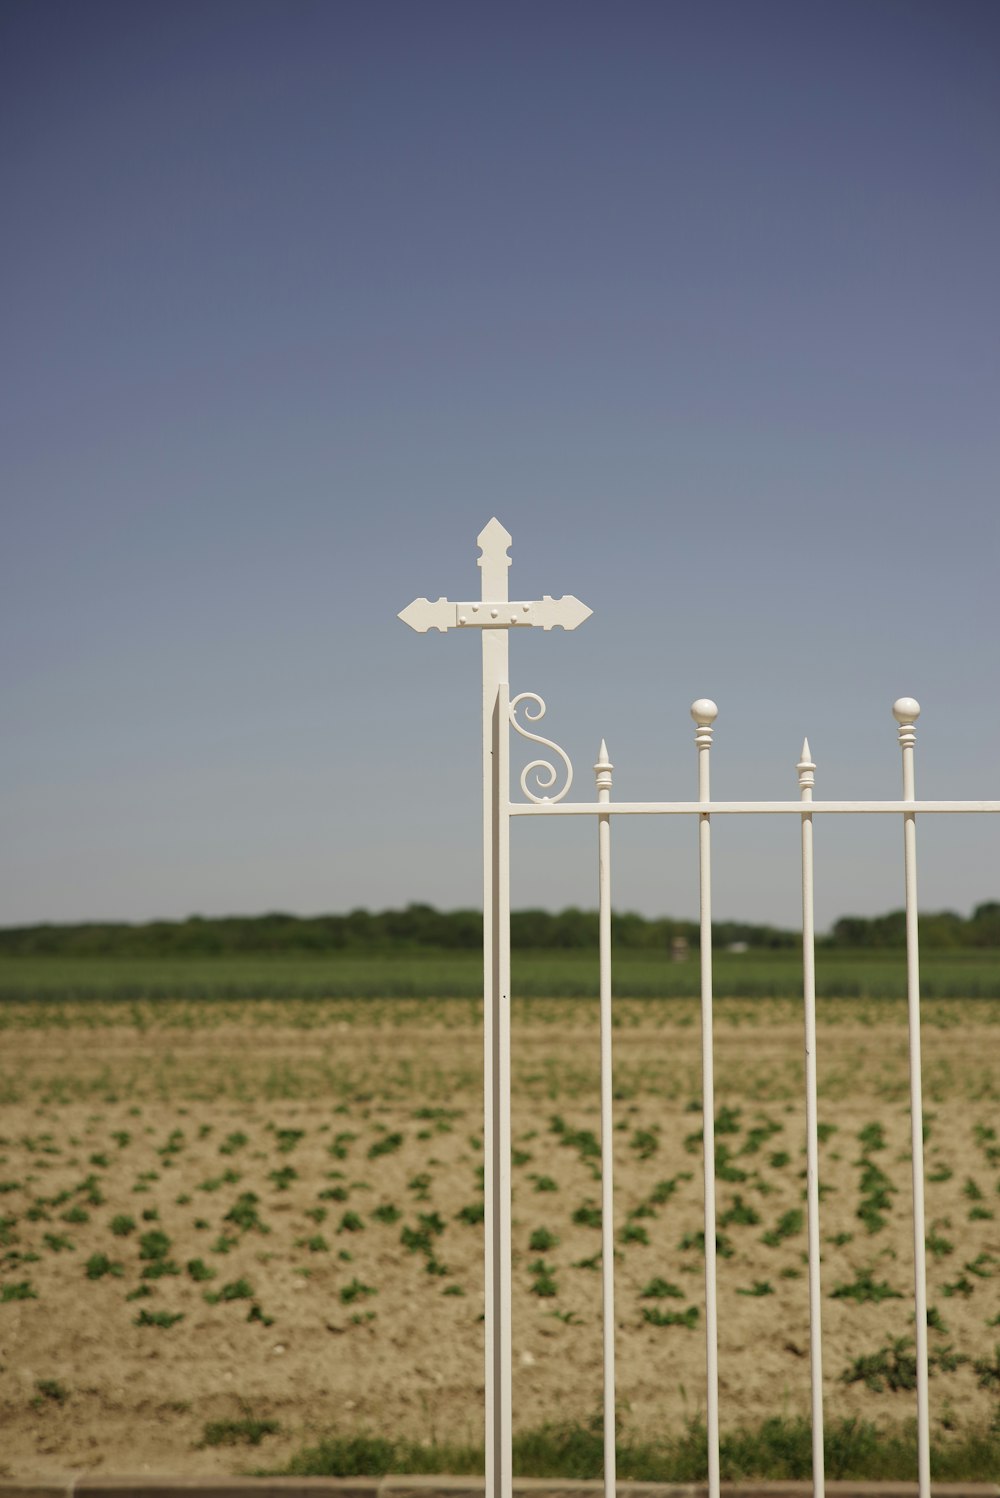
x=745, y=808
x=704, y=712
x=906, y=711
x=497, y=613
x=807, y=779
x=494, y=613
x=494, y=541
x=545, y=771
x=602, y=772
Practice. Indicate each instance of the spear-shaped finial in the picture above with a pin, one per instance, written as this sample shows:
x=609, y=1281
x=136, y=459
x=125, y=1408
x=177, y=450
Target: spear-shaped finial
x=602, y=771
x=807, y=770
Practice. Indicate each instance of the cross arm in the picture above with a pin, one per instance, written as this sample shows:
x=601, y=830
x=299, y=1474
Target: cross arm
x=547, y=613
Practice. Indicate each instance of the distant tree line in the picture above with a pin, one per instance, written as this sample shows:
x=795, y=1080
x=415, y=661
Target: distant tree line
x=422, y=927
x=940, y=929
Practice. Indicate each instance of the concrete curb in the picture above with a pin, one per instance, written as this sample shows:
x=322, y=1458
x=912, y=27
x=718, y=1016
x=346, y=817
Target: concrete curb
x=80, y=1486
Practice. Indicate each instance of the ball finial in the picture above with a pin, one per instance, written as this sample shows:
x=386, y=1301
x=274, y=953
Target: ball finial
x=704, y=711
x=906, y=710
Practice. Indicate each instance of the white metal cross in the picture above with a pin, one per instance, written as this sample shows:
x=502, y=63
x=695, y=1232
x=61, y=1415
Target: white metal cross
x=495, y=614
x=494, y=610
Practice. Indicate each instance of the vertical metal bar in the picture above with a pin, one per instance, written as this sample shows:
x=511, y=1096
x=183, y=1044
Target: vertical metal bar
x=807, y=779
x=704, y=712
x=501, y=1093
x=602, y=770
x=494, y=562
x=906, y=710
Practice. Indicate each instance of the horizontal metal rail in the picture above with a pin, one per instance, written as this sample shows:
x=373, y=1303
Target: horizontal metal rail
x=741, y=808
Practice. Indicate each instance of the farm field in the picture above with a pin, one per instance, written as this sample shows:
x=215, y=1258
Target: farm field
x=759, y=973
x=219, y=1213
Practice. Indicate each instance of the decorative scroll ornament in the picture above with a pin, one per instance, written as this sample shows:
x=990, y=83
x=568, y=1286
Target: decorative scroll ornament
x=546, y=773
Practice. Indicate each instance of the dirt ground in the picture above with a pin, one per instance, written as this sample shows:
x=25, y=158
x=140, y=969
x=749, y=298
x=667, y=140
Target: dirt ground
x=317, y=1172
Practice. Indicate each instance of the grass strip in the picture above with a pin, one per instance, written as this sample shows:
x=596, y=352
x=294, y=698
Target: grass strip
x=569, y=974
x=776, y=1449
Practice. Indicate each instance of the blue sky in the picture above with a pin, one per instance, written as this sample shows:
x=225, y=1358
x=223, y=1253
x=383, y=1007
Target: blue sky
x=699, y=300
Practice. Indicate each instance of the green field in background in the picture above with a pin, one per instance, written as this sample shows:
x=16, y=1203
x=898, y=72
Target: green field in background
x=954, y=974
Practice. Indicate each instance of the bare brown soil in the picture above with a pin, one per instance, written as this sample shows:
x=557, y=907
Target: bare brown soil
x=110, y=1113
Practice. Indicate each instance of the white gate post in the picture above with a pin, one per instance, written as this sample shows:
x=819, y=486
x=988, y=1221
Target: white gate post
x=494, y=562
x=495, y=614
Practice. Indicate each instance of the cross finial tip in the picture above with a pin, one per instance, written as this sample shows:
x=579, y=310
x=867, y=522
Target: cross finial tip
x=494, y=534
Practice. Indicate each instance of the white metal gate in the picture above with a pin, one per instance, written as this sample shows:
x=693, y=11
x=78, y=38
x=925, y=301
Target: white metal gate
x=495, y=614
